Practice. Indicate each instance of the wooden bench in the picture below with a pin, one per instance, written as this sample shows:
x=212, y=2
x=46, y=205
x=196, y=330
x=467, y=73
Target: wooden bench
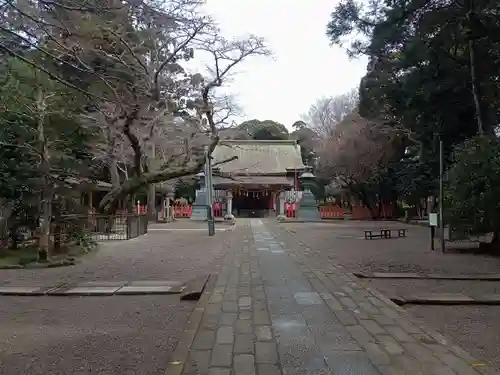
x=384, y=233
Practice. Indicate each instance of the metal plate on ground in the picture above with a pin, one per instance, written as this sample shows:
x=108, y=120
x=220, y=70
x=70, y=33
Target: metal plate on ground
x=85, y=291
x=146, y=289
x=93, y=284
x=22, y=291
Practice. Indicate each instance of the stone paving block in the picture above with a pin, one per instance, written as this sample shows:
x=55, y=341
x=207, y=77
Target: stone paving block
x=376, y=301
x=263, y=333
x=266, y=352
x=410, y=365
x=213, y=308
x=222, y=355
x=334, y=304
x=399, y=334
x=203, y=340
x=244, y=303
x=219, y=371
x=360, y=334
x=383, y=319
x=348, y=302
x=329, y=316
x=390, y=312
x=198, y=362
x=244, y=364
x=308, y=298
x=372, y=326
x=390, y=345
x=368, y=307
x=227, y=319
x=313, y=366
x=245, y=315
x=244, y=344
x=407, y=326
x=346, y=318
x=351, y=363
x=376, y=354
x=243, y=326
x=209, y=322
x=229, y=306
x=261, y=318
x=268, y=369
x=332, y=341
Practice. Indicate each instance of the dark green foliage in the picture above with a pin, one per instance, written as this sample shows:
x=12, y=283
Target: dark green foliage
x=473, y=186
x=265, y=130
x=433, y=74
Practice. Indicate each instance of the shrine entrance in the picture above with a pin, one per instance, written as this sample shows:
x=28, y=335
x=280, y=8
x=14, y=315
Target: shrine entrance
x=252, y=203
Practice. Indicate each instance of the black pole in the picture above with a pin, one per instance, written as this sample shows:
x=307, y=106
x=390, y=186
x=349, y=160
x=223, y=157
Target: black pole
x=433, y=231
x=441, y=194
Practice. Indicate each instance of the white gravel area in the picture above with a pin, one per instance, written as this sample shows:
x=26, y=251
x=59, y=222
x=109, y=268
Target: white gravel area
x=118, y=335
x=474, y=328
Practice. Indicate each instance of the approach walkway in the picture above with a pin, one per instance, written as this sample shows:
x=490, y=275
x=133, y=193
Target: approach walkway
x=269, y=313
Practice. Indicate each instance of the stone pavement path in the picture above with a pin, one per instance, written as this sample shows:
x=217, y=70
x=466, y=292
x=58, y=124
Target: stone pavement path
x=271, y=313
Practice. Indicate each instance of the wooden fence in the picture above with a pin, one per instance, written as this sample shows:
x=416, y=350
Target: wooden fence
x=185, y=211
x=336, y=212
x=326, y=212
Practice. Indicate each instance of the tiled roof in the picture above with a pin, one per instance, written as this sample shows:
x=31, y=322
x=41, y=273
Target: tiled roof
x=258, y=157
x=254, y=180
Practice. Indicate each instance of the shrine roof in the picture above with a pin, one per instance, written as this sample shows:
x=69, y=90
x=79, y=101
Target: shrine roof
x=256, y=157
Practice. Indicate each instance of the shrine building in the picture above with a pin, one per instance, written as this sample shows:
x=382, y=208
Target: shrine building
x=251, y=184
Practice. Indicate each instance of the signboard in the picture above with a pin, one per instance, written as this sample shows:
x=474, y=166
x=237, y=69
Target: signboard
x=433, y=219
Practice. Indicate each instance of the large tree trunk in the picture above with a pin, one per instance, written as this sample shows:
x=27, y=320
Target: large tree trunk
x=113, y=171
x=152, y=187
x=46, y=218
x=475, y=88
x=47, y=188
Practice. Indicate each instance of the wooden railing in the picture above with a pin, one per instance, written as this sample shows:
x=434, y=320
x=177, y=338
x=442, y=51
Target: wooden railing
x=336, y=212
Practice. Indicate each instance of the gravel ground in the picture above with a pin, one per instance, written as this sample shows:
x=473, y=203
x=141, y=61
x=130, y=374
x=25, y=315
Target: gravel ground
x=106, y=335
x=89, y=335
x=343, y=243
x=474, y=328
x=159, y=255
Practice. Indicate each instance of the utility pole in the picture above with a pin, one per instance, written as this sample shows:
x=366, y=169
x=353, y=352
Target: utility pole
x=209, y=187
x=441, y=193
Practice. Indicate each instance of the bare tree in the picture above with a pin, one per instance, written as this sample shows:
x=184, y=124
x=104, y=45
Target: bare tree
x=327, y=112
x=357, y=152
x=127, y=56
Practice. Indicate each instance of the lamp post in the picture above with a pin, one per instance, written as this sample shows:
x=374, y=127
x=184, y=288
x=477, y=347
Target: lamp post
x=441, y=194
x=199, y=211
x=210, y=191
x=308, y=207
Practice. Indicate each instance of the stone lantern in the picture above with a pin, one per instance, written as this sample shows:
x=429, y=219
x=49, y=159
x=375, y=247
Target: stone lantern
x=199, y=209
x=308, y=208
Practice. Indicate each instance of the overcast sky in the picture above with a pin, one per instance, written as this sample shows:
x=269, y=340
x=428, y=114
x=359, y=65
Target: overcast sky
x=304, y=67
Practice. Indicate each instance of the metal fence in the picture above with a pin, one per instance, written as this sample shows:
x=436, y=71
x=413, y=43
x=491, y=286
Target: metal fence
x=100, y=227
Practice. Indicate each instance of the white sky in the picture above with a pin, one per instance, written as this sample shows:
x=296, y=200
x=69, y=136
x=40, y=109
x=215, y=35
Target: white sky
x=304, y=67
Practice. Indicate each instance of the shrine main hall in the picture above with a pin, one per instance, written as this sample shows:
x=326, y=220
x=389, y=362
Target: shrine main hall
x=251, y=184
